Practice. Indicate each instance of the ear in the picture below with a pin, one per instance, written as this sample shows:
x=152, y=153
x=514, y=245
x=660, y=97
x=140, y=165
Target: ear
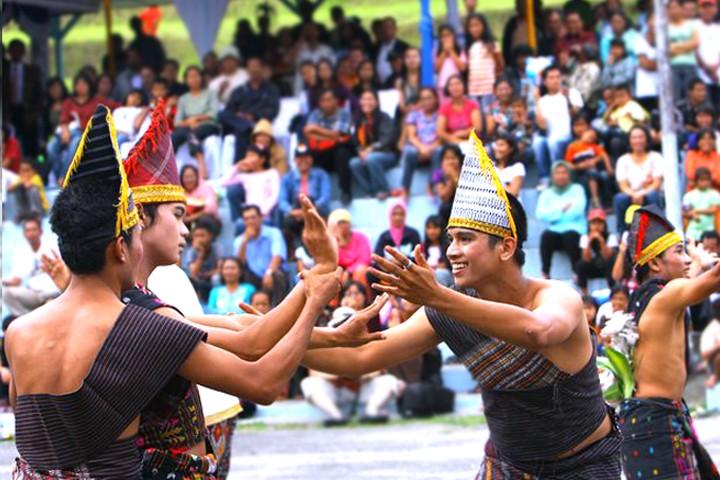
x=141, y=213
x=120, y=250
x=507, y=248
x=655, y=265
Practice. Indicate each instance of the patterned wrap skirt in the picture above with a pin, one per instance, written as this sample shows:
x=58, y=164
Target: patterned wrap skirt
x=220, y=439
x=599, y=461
x=660, y=441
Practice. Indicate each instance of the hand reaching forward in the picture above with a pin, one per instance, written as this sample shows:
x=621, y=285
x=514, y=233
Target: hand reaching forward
x=415, y=282
x=317, y=239
x=321, y=285
x=354, y=332
x=56, y=268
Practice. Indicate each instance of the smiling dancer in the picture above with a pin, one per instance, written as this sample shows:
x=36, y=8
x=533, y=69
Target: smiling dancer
x=85, y=366
x=525, y=340
x=659, y=439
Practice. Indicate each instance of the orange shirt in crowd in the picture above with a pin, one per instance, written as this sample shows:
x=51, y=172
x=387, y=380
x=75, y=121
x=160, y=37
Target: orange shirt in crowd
x=150, y=20
x=696, y=159
x=579, y=151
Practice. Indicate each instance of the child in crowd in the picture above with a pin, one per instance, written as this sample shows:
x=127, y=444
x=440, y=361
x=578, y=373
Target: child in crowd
x=450, y=59
x=705, y=118
x=700, y=205
x=29, y=192
x=434, y=248
x=226, y=297
x=444, y=180
x=619, y=298
x=129, y=117
x=586, y=157
x=260, y=301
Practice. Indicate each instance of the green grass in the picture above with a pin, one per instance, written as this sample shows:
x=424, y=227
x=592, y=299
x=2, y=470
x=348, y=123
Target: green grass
x=86, y=42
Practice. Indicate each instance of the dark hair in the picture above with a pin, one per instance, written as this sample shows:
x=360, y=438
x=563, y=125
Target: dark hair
x=263, y=153
x=505, y=136
x=619, y=42
x=230, y=259
x=324, y=91
x=199, y=72
x=138, y=91
x=518, y=99
x=590, y=300
x=549, y=69
x=255, y=208
x=188, y=166
x=487, y=35
x=645, y=131
x=693, y=82
x=260, y=292
x=92, y=203
x=173, y=62
x=447, y=28
x=357, y=285
x=580, y=116
x=706, y=109
x=619, y=288
x=31, y=218
x=56, y=80
x=702, y=133
x=16, y=42
x=161, y=80
x=446, y=89
x=149, y=210
x=523, y=50
x=432, y=91
x=451, y=147
x=623, y=86
x=710, y=234
x=306, y=63
x=702, y=172
x=207, y=223
x=84, y=77
x=517, y=211
x=438, y=222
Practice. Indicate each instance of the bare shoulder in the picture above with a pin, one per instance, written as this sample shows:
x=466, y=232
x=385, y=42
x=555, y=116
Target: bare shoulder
x=555, y=293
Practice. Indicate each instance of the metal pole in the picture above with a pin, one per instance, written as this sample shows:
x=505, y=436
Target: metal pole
x=667, y=116
x=425, y=26
x=530, y=20
x=108, y=32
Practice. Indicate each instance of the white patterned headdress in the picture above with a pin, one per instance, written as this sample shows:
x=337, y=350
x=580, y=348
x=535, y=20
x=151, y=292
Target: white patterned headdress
x=481, y=202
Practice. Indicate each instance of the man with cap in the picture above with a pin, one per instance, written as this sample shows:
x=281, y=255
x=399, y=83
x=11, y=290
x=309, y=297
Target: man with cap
x=658, y=438
x=231, y=75
x=305, y=180
x=525, y=340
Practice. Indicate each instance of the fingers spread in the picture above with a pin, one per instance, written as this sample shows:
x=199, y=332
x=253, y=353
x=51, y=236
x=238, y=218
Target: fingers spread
x=385, y=288
x=384, y=277
x=388, y=266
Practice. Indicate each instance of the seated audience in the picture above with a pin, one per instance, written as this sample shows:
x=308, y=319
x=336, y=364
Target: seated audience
x=562, y=207
x=11, y=151
x=450, y=59
x=701, y=206
x=434, y=247
x=375, y=141
x=262, y=136
x=619, y=68
x=422, y=143
x=201, y=197
x=501, y=107
x=200, y=261
x=622, y=114
x=590, y=163
x=639, y=175
x=459, y=115
x=195, y=119
x=28, y=191
x=399, y=235
x=231, y=76
x=618, y=303
x=129, y=118
x=599, y=248
x=509, y=168
x=574, y=38
x=28, y=287
x=262, y=251
x=705, y=154
x=227, y=297
x=444, y=180
x=329, y=136
x=306, y=180
x=254, y=182
x=409, y=83
x=249, y=103
x=353, y=247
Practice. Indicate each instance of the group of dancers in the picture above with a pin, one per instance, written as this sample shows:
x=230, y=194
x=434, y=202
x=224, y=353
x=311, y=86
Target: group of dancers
x=113, y=381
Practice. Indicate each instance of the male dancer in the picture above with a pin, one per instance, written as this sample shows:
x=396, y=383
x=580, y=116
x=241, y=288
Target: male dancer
x=525, y=340
x=85, y=366
x=173, y=429
x=658, y=438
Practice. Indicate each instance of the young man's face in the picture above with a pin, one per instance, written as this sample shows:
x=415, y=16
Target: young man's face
x=164, y=239
x=159, y=90
x=553, y=81
x=673, y=263
x=698, y=93
x=473, y=258
x=32, y=231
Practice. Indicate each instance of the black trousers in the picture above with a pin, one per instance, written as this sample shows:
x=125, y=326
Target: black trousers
x=193, y=135
x=597, y=268
x=551, y=242
x=241, y=128
x=337, y=159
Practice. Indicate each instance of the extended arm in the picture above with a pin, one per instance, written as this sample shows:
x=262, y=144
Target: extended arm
x=681, y=293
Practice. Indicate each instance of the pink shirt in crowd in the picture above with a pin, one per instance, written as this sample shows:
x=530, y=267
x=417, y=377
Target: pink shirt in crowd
x=261, y=188
x=355, y=253
x=207, y=197
x=458, y=119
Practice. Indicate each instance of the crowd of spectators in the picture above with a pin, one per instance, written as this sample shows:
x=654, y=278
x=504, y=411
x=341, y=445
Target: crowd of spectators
x=580, y=111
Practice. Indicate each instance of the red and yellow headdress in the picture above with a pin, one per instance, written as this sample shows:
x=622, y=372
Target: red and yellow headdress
x=98, y=156
x=650, y=235
x=481, y=202
x=151, y=168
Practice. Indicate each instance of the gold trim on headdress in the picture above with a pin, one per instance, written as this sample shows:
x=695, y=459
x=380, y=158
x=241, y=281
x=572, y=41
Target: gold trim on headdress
x=658, y=246
x=127, y=215
x=159, y=194
x=486, y=167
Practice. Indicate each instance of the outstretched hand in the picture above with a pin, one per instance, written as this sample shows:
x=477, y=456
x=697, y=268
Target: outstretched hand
x=317, y=239
x=56, y=268
x=354, y=332
x=415, y=282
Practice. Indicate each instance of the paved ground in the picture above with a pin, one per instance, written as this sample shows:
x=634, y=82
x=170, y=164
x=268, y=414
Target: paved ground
x=399, y=451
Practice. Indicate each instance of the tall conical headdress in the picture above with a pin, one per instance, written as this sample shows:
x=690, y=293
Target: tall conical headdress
x=98, y=156
x=151, y=167
x=650, y=235
x=481, y=202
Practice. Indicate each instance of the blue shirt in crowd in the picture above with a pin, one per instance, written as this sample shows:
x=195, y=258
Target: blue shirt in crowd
x=551, y=204
x=222, y=301
x=318, y=189
x=261, y=250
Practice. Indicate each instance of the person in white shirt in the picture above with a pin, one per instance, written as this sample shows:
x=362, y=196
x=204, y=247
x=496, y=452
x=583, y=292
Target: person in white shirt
x=231, y=75
x=553, y=115
x=708, y=51
x=128, y=118
x=647, y=81
x=639, y=174
x=29, y=287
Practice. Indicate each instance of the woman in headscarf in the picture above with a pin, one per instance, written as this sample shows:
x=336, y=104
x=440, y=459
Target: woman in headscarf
x=399, y=235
